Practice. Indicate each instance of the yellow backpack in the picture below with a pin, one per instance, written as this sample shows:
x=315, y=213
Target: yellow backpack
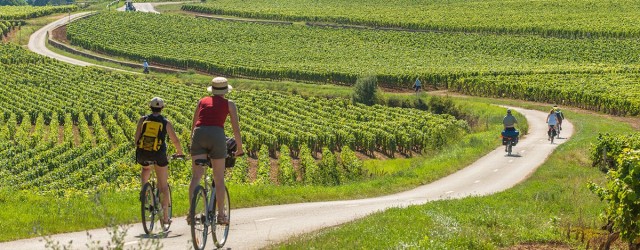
x=150, y=138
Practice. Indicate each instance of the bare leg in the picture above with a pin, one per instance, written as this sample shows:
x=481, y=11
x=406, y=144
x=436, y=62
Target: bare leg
x=163, y=185
x=218, y=178
x=145, y=175
x=197, y=173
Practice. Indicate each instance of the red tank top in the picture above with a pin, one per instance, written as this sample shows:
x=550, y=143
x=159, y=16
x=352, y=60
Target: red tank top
x=212, y=111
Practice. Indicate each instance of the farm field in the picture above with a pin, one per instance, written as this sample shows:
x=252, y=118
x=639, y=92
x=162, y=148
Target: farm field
x=486, y=65
x=26, y=12
x=563, y=18
x=613, y=93
x=74, y=147
x=13, y=16
x=106, y=125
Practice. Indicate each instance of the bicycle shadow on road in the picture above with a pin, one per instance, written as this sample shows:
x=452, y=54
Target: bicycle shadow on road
x=159, y=236
x=513, y=155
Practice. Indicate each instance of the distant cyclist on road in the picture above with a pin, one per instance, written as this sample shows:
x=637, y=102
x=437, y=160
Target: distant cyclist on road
x=151, y=145
x=552, y=120
x=208, y=138
x=509, y=121
x=417, y=85
x=560, y=117
x=145, y=67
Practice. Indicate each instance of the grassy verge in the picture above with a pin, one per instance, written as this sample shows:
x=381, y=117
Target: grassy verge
x=536, y=211
x=21, y=36
x=23, y=214
x=93, y=61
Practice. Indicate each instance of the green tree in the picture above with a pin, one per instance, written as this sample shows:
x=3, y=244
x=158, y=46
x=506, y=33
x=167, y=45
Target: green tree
x=365, y=90
x=286, y=173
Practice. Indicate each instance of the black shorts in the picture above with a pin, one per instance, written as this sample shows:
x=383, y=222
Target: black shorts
x=160, y=157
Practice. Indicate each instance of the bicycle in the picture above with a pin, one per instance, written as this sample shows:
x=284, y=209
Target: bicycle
x=150, y=202
x=552, y=133
x=509, y=139
x=559, y=125
x=509, y=142
x=203, y=212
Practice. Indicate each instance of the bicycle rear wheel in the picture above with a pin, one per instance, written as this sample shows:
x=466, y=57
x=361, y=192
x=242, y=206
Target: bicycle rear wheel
x=220, y=231
x=199, y=220
x=147, y=208
x=165, y=226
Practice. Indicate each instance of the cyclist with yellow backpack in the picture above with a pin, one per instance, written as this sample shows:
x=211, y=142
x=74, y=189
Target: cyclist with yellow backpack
x=151, y=146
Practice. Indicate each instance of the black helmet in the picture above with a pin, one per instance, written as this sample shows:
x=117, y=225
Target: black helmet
x=508, y=111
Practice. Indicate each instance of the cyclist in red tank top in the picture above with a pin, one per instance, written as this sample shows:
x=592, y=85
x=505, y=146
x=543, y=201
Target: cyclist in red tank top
x=212, y=111
x=208, y=138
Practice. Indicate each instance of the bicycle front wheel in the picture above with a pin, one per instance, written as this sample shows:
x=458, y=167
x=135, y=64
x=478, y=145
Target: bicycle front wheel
x=221, y=231
x=198, y=218
x=168, y=211
x=147, y=208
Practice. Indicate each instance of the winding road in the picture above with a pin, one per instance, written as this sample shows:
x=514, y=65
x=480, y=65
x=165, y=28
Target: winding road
x=38, y=40
x=257, y=227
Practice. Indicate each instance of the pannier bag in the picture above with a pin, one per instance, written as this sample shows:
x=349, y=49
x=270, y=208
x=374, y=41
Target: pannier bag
x=510, y=133
x=150, y=139
x=230, y=161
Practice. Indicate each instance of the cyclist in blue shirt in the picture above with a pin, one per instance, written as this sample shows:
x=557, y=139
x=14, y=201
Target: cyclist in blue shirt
x=417, y=85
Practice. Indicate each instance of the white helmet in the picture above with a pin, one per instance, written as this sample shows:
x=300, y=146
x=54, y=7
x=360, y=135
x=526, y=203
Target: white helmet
x=156, y=102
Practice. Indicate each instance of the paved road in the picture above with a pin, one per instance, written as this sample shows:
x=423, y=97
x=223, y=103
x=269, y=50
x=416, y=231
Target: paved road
x=253, y=228
x=143, y=7
x=38, y=40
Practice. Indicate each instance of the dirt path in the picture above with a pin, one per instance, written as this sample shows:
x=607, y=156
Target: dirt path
x=253, y=228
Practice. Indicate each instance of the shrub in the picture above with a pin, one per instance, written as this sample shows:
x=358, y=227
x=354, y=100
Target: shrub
x=605, y=153
x=441, y=105
x=365, y=90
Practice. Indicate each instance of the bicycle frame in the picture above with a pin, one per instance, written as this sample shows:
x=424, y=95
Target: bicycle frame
x=152, y=206
x=202, y=220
